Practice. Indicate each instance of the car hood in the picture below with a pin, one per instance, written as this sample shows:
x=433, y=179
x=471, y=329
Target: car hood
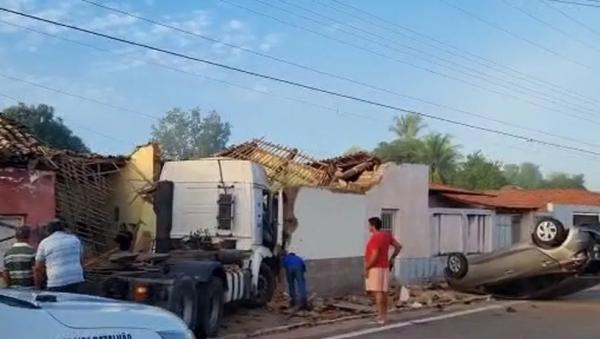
x=83, y=311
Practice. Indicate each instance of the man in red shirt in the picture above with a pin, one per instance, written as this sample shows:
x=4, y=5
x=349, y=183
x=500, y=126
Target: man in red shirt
x=378, y=265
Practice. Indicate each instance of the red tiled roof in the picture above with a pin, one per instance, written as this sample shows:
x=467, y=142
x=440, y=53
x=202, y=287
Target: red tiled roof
x=449, y=189
x=528, y=199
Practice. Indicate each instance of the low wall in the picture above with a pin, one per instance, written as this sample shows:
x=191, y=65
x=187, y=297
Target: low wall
x=334, y=277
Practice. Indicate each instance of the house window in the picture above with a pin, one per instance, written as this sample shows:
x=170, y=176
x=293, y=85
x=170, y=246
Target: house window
x=476, y=233
x=447, y=233
x=387, y=219
x=583, y=219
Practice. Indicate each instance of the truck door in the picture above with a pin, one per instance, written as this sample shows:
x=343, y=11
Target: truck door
x=269, y=219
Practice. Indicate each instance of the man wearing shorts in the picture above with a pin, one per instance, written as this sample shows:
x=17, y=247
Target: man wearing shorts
x=378, y=265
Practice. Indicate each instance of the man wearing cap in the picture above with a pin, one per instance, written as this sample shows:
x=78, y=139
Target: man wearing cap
x=60, y=256
x=19, y=260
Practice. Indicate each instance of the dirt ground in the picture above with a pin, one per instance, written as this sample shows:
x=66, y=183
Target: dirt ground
x=241, y=322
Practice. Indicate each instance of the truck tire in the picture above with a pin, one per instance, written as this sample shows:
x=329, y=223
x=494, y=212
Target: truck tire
x=183, y=301
x=210, y=308
x=265, y=288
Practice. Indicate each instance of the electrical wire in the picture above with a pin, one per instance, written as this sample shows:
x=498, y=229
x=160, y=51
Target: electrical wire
x=304, y=86
x=78, y=96
x=549, y=25
x=302, y=101
x=513, y=34
x=575, y=3
x=4, y=95
x=474, y=73
x=480, y=60
x=571, y=18
x=425, y=69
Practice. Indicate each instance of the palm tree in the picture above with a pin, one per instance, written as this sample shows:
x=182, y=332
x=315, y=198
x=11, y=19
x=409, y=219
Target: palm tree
x=441, y=155
x=408, y=126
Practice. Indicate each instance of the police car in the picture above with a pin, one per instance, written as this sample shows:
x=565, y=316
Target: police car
x=40, y=315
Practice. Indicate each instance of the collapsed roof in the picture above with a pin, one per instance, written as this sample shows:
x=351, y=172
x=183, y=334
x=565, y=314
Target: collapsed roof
x=82, y=189
x=288, y=167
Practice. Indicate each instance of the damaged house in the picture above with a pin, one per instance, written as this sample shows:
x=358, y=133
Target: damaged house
x=38, y=183
x=327, y=204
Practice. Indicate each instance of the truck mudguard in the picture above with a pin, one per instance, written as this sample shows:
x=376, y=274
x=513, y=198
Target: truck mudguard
x=199, y=270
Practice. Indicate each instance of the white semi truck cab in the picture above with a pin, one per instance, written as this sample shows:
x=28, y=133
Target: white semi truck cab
x=217, y=234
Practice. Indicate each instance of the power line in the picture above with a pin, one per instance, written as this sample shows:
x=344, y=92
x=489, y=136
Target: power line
x=549, y=25
x=576, y=3
x=506, y=84
x=513, y=34
x=569, y=105
x=74, y=95
x=75, y=124
x=426, y=69
x=302, y=101
x=573, y=19
x=304, y=86
x=483, y=61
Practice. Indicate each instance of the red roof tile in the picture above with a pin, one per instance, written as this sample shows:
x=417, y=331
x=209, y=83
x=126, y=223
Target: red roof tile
x=449, y=189
x=528, y=199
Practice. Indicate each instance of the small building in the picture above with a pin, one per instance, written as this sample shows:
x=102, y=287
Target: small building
x=38, y=183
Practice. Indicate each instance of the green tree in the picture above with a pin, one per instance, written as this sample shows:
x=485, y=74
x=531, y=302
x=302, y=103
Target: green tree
x=50, y=129
x=563, y=180
x=408, y=126
x=526, y=175
x=479, y=173
x=441, y=155
x=400, y=151
x=188, y=135
x=407, y=147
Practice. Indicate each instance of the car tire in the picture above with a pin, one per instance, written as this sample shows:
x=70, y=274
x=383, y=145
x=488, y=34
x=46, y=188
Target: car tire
x=549, y=233
x=266, y=288
x=457, y=265
x=183, y=301
x=210, y=308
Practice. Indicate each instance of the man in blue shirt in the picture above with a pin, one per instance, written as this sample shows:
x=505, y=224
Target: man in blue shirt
x=295, y=270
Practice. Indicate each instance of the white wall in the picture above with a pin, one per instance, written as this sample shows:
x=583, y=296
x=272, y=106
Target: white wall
x=330, y=224
x=406, y=189
x=564, y=213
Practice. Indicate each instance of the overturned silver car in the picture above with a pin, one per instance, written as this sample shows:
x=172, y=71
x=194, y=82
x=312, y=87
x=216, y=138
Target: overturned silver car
x=558, y=261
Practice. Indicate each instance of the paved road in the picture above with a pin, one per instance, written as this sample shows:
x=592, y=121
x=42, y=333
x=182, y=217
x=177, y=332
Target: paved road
x=574, y=317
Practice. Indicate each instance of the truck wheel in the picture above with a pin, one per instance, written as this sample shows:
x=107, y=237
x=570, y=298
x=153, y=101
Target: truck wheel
x=210, y=308
x=265, y=288
x=183, y=302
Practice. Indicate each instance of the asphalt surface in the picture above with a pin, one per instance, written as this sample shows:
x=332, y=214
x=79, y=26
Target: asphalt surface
x=574, y=317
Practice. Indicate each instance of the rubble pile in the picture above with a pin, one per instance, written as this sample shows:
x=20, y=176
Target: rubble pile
x=401, y=298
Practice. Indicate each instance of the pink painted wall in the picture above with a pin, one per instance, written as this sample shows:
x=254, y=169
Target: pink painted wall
x=29, y=194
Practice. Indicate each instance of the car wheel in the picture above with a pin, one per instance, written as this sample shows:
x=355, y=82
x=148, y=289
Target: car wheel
x=457, y=265
x=210, y=308
x=549, y=233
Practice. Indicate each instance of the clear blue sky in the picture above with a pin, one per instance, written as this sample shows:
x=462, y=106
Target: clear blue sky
x=564, y=55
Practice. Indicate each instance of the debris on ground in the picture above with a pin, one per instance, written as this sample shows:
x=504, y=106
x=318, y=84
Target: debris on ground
x=401, y=298
x=279, y=312
x=510, y=309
